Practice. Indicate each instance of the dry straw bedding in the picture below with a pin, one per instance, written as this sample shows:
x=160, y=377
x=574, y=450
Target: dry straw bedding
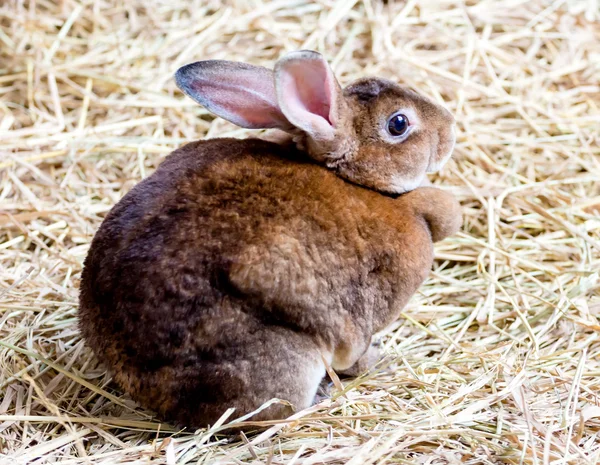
x=495, y=360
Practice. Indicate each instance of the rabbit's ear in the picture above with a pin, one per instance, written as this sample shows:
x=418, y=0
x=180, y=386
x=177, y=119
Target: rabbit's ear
x=238, y=92
x=308, y=94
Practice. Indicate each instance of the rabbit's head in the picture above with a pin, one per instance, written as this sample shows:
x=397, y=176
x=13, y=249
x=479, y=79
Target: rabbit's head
x=374, y=132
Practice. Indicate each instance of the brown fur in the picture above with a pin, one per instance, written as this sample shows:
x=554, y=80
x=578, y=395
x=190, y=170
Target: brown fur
x=221, y=279
x=227, y=277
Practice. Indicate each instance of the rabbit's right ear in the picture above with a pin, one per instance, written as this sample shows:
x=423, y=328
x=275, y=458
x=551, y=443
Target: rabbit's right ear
x=238, y=92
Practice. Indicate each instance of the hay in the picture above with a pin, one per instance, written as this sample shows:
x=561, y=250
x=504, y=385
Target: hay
x=495, y=360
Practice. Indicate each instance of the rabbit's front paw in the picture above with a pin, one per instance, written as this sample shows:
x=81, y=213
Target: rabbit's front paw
x=364, y=363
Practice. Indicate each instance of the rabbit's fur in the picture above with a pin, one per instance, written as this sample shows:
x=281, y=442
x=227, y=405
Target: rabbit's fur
x=240, y=267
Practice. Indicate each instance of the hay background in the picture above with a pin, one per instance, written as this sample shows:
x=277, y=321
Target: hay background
x=496, y=359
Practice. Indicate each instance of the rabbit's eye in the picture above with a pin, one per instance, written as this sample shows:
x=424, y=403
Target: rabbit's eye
x=398, y=125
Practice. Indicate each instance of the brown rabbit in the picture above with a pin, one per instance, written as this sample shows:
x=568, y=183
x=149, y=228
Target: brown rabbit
x=233, y=273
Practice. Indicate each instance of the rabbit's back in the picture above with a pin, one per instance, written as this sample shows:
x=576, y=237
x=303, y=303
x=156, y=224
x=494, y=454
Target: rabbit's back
x=236, y=254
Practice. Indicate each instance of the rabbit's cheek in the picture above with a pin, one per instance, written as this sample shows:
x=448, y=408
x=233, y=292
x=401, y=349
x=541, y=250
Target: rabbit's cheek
x=408, y=173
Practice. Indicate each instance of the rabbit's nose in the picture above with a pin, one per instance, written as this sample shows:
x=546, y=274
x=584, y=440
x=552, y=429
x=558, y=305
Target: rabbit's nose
x=445, y=149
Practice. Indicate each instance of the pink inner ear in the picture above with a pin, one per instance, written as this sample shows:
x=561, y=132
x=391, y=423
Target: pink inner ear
x=307, y=93
x=308, y=89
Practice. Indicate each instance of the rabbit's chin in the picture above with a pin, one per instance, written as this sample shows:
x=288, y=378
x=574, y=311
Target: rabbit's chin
x=401, y=184
x=391, y=186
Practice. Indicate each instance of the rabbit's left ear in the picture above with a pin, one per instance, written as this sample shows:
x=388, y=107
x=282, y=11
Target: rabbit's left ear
x=238, y=92
x=309, y=95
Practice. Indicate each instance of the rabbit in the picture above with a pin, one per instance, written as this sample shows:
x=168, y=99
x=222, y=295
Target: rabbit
x=241, y=268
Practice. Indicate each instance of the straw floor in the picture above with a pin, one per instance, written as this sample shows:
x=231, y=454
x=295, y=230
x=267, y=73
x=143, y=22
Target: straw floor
x=495, y=360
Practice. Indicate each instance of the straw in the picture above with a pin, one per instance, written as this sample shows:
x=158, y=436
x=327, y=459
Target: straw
x=495, y=360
